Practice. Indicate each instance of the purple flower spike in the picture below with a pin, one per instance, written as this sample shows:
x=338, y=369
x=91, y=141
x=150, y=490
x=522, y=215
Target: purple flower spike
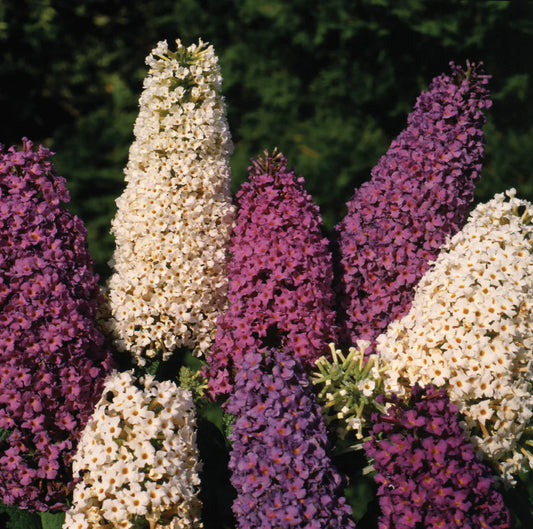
x=427, y=471
x=419, y=193
x=279, y=460
x=280, y=274
x=52, y=356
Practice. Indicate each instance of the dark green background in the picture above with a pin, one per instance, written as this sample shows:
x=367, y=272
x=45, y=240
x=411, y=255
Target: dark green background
x=330, y=83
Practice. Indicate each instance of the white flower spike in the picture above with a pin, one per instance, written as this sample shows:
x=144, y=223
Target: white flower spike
x=148, y=468
x=470, y=329
x=175, y=216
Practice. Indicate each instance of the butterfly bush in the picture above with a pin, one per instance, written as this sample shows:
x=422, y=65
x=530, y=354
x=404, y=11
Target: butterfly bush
x=53, y=358
x=347, y=387
x=137, y=459
x=470, y=329
x=174, y=217
x=420, y=192
x=427, y=472
x=279, y=458
x=280, y=274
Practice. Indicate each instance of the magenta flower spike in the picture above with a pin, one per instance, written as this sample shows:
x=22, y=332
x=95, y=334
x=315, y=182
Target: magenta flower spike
x=280, y=275
x=420, y=192
x=280, y=463
x=427, y=471
x=52, y=356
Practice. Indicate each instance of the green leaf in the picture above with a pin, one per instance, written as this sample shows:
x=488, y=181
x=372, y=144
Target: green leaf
x=213, y=413
x=19, y=519
x=52, y=520
x=4, y=434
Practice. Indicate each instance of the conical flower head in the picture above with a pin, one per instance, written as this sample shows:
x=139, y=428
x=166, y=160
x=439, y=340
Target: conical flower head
x=427, y=471
x=137, y=459
x=53, y=358
x=419, y=193
x=280, y=463
x=280, y=274
x=175, y=215
x=470, y=329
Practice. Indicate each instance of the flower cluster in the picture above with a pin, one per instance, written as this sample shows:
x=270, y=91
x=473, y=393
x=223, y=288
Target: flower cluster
x=348, y=387
x=279, y=459
x=419, y=193
x=470, y=329
x=53, y=358
x=137, y=458
x=280, y=274
x=175, y=215
x=427, y=471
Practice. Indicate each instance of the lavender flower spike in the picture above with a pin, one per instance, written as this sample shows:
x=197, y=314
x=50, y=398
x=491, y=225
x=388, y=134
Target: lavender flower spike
x=279, y=460
x=280, y=274
x=53, y=358
x=419, y=193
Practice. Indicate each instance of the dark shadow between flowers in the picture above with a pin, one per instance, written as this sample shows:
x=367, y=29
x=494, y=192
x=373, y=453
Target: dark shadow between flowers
x=518, y=501
x=360, y=489
x=217, y=494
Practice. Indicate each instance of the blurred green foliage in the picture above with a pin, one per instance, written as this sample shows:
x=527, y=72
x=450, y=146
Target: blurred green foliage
x=329, y=82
